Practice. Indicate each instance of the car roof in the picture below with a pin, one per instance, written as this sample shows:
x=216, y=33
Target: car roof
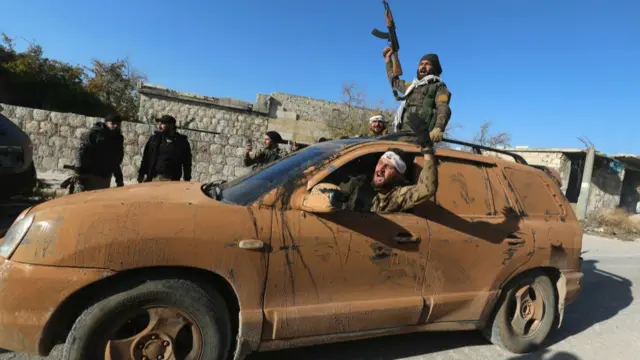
x=493, y=156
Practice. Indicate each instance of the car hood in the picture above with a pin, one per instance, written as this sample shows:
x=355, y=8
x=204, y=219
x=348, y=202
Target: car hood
x=154, y=224
x=147, y=193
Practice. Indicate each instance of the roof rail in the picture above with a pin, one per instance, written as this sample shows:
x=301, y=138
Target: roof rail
x=411, y=137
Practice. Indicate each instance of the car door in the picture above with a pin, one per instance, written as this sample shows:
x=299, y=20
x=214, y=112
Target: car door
x=345, y=271
x=477, y=239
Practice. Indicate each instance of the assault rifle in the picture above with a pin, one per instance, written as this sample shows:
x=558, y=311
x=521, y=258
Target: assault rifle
x=392, y=38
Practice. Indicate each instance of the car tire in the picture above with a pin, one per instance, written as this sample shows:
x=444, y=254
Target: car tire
x=504, y=329
x=206, y=310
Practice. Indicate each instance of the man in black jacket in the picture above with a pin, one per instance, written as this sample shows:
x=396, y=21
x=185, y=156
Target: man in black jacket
x=100, y=155
x=167, y=154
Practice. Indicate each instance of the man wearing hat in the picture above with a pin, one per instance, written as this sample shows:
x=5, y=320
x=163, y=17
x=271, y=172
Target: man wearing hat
x=100, y=155
x=167, y=154
x=378, y=126
x=426, y=98
x=269, y=153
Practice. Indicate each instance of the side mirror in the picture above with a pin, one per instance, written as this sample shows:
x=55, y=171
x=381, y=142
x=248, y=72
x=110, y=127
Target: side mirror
x=323, y=198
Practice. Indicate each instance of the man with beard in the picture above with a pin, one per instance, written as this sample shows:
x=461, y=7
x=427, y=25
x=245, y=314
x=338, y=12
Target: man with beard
x=390, y=190
x=268, y=154
x=167, y=154
x=100, y=155
x=393, y=193
x=426, y=97
x=378, y=126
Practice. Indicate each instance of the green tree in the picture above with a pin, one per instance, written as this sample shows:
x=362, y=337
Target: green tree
x=116, y=83
x=29, y=79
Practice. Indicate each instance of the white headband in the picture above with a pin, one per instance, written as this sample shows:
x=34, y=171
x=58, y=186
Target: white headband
x=377, y=118
x=394, y=160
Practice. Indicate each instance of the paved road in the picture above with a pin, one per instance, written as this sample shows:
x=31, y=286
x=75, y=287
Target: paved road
x=603, y=323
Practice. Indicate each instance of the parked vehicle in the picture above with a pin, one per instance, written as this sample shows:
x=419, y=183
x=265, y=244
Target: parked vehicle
x=257, y=263
x=17, y=171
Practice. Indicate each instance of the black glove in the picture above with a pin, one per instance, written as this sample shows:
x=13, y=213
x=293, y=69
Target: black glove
x=420, y=129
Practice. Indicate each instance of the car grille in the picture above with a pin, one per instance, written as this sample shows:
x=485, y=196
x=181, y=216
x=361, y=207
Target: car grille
x=11, y=156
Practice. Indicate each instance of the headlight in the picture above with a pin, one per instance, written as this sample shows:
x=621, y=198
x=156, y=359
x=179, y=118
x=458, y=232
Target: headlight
x=14, y=236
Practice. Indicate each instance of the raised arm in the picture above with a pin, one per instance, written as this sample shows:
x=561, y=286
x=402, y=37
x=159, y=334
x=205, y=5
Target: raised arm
x=396, y=82
x=408, y=197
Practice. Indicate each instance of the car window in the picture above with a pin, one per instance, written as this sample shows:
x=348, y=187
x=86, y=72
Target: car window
x=533, y=192
x=247, y=189
x=498, y=191
x=463, y=187
x=354, y=179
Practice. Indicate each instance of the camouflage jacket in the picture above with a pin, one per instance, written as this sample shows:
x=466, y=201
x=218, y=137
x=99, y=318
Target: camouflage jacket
x=402, y=198
x=430, y=101
x=263, y=156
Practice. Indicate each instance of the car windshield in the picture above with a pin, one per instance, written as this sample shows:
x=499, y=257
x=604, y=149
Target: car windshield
x=248, y=188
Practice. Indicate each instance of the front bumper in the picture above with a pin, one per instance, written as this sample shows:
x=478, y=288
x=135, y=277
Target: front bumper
x=29, y=295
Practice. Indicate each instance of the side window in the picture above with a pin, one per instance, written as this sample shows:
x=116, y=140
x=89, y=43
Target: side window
x=498, y=191
x=463, y=187
x=533, y=192
x=354, y=178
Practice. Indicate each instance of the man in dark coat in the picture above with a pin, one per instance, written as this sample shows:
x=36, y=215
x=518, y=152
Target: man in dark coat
x=100, y=155
x=167, y=154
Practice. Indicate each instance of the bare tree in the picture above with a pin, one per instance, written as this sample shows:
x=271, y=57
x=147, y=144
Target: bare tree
x=485, y=138
x=351, y=118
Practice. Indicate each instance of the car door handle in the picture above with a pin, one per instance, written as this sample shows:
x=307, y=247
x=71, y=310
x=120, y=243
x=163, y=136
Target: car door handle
x=406, y=239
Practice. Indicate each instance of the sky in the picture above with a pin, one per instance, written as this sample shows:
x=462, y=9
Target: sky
x=547, y=72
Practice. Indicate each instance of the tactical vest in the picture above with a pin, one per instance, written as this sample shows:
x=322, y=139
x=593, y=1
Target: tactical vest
x=422, y=101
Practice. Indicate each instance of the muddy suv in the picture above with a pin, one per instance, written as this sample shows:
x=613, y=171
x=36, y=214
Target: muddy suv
x=17, y=171
x=188, y=271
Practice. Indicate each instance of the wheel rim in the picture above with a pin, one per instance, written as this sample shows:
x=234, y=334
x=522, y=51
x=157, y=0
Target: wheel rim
x=156, y=333
x=528, y=310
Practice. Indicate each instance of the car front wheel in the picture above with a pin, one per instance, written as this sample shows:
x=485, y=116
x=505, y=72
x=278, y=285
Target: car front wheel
x=526, y=314
x=160, y=319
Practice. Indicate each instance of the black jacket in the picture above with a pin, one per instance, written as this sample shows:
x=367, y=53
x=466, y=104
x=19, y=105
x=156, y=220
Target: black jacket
x=101, y=152
x=171, y=159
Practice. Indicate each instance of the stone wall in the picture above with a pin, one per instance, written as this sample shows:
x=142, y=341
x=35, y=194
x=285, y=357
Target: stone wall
x=55, y=138
x=307, y=108
x=217, y=128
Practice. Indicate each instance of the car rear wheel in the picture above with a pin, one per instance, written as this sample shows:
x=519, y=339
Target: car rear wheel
x=158, y=320
x=525, y=315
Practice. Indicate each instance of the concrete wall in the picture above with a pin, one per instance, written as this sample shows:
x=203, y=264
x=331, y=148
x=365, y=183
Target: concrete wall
x=630, y=195
x=606, y=186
